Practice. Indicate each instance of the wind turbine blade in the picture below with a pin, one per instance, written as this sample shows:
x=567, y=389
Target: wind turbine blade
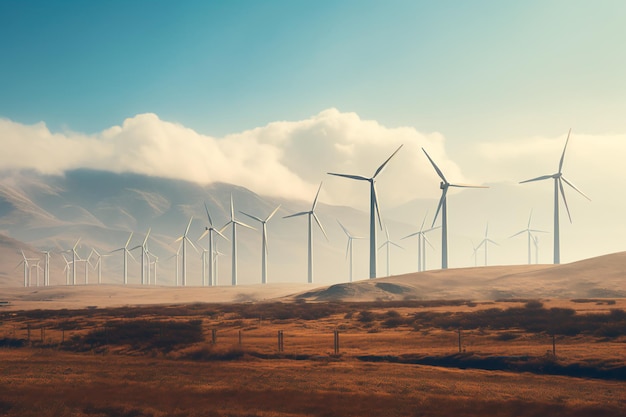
x=135, y=248
x=302, y=213
x=468, y=186
x=131, y=255
x=530, y=216
x=396, y=245
x=431, y=229
x=441, y=200
x=220, y=233
x=344, y=229
x=177, y=240
x=423, y=221
x=76, y=244
x=319, y=224
x=518, y=233
x=537, y=231
x=563, y=154
x=347, y=247
x=232, y=208
x=376, y=207
x=436, y=167
x=113, y=251
x=206, y=231
x=207, y=214
x=491, y=241
x=411, y=235
x=387, y=232
x=193, y=246
x=188, y=226
x=252, y=217
x=564, y=200
x=428, y=241
x=543, y=177
x=316, y=196
x=243, y=224
x=380, y=168
x=354, y=177
x=267, y=219
x=146, y=239
x=574, y=187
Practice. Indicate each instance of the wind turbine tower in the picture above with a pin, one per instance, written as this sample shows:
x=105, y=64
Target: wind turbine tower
x=558, y=186
x=235, y=223
x=529, y=232
x=263, y=241
x=485, y=242
x=311, y=215
x=444, y=185
x=184, y=240
x=349, y=248
x=125, y=253
x=212, y=246
x=374, y=209
x=422, y=240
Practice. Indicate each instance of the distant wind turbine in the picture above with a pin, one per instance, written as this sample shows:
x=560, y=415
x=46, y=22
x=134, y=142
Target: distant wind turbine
x=475, y=253
x=444, y=185
x=144, y=257
x=46, y=270
x=311, y=215
x=184, y=239
x=98, y=263
x=374, y=209
x=388, y=244
x=349, y=248
x=536, y=243
x=125, y=253
x=66, y=270
x=529, y=232
x=25, y=262
x=485, y=242
x=558, y=186
x=422, y=240
x=235, y=223
x=210, y=230
x=263, y=241
x=75, y=259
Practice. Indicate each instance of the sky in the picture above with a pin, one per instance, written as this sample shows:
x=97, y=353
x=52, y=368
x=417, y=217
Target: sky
x=272, y=95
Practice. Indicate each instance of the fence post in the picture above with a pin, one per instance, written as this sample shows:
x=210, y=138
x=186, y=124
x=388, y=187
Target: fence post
x=336, y=341
x=553, y=345
x=281, y=341
x=460, y=341
x=213, y=336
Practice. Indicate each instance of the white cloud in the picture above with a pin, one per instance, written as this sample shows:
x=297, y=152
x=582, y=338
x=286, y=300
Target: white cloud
x=286, y=159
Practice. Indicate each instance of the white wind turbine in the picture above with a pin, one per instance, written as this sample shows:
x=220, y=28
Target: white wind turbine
x=235, y=223
x=263, y=241
x=387, y=243
x=98, y=263
x=25, y=261
x=184, y=239
x=529, y=232
x=558, y=186
x=475, y=253
x=444, y=185
x=422, y=240
x=210, y=230
x=374, y=209
x=536, y=243
x=485, y=242
x=349, y=248
x=75, y=259
x=46, y=270
x=177, y=256
x=144, y=257
x=155, y=263
x=125, y=253
x=66, y=270
x=311, y=215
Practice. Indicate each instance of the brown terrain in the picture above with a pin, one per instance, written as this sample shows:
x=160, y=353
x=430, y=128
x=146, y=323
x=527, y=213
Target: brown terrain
x=136, y=351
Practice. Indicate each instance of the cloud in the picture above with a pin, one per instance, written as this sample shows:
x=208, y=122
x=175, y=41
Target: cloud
x=282, y=159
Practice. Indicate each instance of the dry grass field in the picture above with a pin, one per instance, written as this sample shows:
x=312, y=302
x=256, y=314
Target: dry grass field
x=394, y=358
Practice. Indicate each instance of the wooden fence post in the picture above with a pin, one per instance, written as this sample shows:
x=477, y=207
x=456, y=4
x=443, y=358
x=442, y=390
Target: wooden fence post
x=460, y=341
x=281, y=341
x=336, y=341
x=213, y=336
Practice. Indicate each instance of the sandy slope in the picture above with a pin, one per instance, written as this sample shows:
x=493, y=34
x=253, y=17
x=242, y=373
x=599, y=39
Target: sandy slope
x=601, y=277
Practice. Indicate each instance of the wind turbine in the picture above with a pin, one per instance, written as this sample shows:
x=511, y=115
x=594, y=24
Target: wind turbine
x=349, y=248
x=46, y=271
x=444, y=185
x=530, y=232
x=75, y=258
x=209, y=231
x=388, y=244
x=176, y=255
x=485, y=242
x=558, y=186
x=125, y=252
x=311, y=215
x=144, y=256
x=184, y=240
x=374, y=209
x=422, y=240
x=98, y=263
x=25, y=262
x=536, y=243
x=263, y=241
x=66, y=270
x=235, y=223
x=475, y=253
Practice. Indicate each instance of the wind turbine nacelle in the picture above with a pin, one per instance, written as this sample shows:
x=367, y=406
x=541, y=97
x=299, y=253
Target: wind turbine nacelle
x=442, y=185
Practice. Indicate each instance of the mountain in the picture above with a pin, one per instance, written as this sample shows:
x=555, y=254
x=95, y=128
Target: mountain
x=103, y=208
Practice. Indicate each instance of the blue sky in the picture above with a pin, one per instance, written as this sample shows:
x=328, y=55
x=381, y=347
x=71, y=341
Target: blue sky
x=468, y=69
x=271, y=95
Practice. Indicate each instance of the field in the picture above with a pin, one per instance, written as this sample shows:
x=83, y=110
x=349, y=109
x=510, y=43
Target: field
x=403, y=358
